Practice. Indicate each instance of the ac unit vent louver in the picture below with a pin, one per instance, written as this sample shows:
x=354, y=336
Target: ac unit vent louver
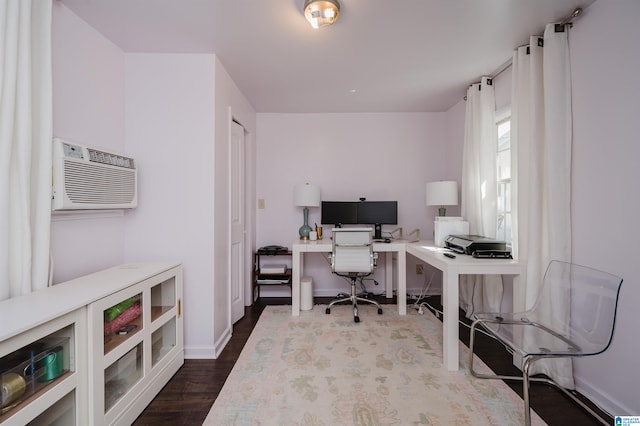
x=111, y=159
x=88, y=179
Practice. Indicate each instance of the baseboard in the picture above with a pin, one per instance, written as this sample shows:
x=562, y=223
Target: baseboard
x=222, y=342
x=208, y=352
x=601, y=399
x=199, y=352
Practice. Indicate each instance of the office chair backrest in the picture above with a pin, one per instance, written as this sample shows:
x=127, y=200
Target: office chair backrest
x=590, y=300
x=352, y=251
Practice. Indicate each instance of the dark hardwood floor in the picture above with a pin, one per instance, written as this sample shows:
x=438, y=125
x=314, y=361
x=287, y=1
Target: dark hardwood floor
x=187, y=398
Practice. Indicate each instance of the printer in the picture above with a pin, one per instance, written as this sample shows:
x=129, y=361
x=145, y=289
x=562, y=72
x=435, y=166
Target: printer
x=477, y=245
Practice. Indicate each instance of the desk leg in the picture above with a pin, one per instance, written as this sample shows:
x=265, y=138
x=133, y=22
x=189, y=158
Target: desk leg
x=450, y=333
x=402, y=282
x=388, y=278
x=296, y=272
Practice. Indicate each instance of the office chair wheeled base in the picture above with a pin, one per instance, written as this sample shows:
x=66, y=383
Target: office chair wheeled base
x=353, y=298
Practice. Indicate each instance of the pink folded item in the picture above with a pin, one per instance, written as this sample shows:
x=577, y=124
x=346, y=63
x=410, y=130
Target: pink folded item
x=124, y=318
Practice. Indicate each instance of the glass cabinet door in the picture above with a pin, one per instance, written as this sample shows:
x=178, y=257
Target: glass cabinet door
x=30, y=371
x=163, y=340
x=163, y=298
x=121, y=321
x=62, y=413
x=122, y=375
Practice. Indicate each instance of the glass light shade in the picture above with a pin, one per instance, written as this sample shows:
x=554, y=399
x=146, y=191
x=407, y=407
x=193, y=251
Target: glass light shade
x=320, y=13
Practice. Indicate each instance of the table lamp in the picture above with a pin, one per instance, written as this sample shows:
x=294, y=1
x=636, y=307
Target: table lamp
x=442, y=193
x=306, y=196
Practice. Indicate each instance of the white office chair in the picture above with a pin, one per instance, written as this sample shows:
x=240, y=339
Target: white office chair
x=352, y=257
x=588, y=298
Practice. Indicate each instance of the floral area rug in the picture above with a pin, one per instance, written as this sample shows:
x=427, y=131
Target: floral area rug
x=319, y=369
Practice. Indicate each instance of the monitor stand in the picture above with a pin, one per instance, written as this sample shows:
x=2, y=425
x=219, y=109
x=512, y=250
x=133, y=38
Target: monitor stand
x=377, y=235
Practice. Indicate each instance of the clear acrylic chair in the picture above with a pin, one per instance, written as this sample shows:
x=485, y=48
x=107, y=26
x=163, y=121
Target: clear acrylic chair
x=584, y=312
x=352, y=257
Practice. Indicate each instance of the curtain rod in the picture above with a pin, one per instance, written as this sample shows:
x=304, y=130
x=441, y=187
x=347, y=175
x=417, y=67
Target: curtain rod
x=566, y=21
x=575, y=14
x=502, y=68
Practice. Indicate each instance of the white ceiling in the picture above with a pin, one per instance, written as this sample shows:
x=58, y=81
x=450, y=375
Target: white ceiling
x=380, y=56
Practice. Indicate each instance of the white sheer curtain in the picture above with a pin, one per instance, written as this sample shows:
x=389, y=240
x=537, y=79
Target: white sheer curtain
x=480, y=293
x=25, y=145
x=541, y=137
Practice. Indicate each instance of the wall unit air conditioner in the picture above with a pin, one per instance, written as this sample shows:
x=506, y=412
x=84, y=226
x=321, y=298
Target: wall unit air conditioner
x=85, y=178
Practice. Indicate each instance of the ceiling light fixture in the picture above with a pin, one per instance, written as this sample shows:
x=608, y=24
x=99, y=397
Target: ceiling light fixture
x=320, y=13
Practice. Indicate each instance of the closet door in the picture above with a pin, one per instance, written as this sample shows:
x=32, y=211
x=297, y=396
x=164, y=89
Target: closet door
x=237, y=218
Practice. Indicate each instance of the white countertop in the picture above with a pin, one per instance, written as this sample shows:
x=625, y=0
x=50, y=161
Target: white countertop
x=21, y=313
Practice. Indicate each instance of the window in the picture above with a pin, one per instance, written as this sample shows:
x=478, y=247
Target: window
x=504, y=177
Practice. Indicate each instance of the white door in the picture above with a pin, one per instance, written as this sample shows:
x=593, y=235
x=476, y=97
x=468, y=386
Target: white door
x=237, y=217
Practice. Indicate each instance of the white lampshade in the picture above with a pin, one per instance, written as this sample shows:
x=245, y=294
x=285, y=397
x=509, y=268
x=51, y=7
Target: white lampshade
x=306, y=195
x=442, y=193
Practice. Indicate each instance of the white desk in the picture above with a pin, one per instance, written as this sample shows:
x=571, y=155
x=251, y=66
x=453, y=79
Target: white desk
x=299, y=248
x=451, y=271
x=428, y=253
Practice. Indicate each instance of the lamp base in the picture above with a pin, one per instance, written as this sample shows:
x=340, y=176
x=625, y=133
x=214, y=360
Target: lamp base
x=305, y=228
x=442, y=211
x=304, y=232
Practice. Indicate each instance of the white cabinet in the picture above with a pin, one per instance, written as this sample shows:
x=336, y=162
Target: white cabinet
x=94, y=350
x=43, y=371
x=136, y=346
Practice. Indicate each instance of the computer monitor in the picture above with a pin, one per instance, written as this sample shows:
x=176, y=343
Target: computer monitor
x=339, y=213
x=378, y=213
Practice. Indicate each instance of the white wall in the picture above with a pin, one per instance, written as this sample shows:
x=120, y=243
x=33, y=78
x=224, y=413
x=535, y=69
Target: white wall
x=88, y=108
x=454, y=146
x=378, y=156
x=170, y=131
x=605, y=60
x=178, y=117
x=162, y=109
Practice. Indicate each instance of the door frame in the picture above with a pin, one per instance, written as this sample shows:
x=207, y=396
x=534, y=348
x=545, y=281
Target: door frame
x=249, y=214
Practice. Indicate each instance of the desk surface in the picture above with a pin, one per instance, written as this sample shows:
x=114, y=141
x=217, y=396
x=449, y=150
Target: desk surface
x=325, y=245
x=463, y=263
